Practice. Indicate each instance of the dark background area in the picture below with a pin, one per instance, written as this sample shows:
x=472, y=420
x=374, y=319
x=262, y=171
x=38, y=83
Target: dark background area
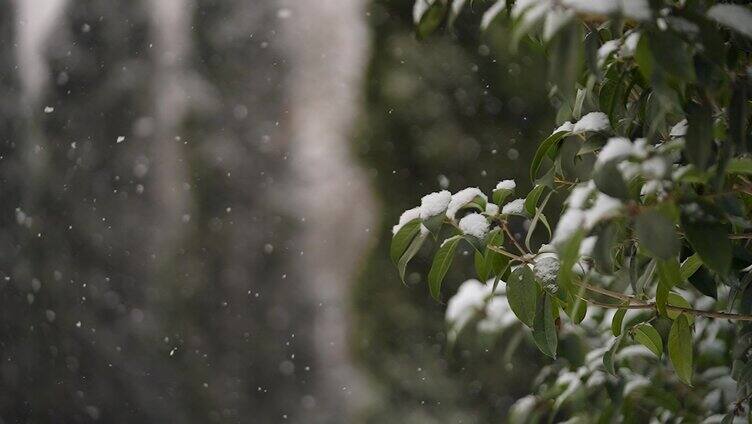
x=190, y=271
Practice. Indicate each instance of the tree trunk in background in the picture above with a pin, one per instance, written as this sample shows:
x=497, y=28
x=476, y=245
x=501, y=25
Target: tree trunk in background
x=329, y=49
x=151, y=273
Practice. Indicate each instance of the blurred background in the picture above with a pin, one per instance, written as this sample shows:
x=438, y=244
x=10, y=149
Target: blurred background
x=197, y=199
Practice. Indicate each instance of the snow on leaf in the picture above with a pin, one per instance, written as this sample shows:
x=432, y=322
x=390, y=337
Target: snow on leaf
x=475, y=225
x=592, y=122
x=734, y=16
x=434, y=204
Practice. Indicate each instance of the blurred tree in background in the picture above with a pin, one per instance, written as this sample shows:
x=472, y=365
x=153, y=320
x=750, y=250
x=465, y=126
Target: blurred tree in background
x=152, y=232
x=436, y=110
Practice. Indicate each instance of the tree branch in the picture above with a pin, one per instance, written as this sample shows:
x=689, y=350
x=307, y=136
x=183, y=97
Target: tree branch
x=690, y=311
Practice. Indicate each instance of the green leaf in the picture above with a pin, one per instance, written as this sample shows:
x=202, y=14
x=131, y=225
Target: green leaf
x=669, y=275
x=441, y=263
x=656, y=234
x=434, y=223
x=740, y=166
x=566, y=59
x=646, y=335
x=543, y=148
x=531, y=201
x=699, y=138
x=603, y=251
x=644, y=58
x=680, y=348
x=608, y=357
x=609, y=180
x=538, y=217
x=690, y=266
x=402, y=239
x=616, y=322
x=491, y=263
x=522, y=294
x=414, y=247
x=708, y=236
x=568, y=256
x=671, y=54
x=478, y=203
x=737, y=115
x=431, y=18
x=544, y=327
x=611, y=95
x=674, y=299
x=704, y=282
x=501, y=194
x=576, y=308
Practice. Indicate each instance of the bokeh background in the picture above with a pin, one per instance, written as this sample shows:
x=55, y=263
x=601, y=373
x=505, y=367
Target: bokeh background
x=197, y=199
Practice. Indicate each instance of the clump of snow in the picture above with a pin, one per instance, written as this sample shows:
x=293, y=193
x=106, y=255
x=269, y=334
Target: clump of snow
x=546, y=268
x=556, y=18
x=640, y=148
x=654, y=168
x=604, y=207
x=49, y=109
x=420, y=8
x=566, y=126
x=547, y=248
x=593, y=121
x=475, y=225
x=681, y=171
x=469, y=300
x=736, y=17
x=406, y=217
x=499, y=316
x=462, y=198
x=653, y=187
x=506, y=185
x=524, y=407
x=602, y=7
x=606, y=49
x=636, y=9
x=521, y=6
x=120, y=139
x=580, y=195
x=615, y=148
x=434, y=204
x=679, y=130
x=491, y=13
x=569, y=223
x=587, y=245
x=515, y=207
x=492, y=209
x=630, y=44
x=628, y=169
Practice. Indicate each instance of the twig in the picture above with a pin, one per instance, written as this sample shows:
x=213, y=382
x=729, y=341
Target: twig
x=505, y=253
x=690, y=311
x=612, y=294
x=514, y=240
